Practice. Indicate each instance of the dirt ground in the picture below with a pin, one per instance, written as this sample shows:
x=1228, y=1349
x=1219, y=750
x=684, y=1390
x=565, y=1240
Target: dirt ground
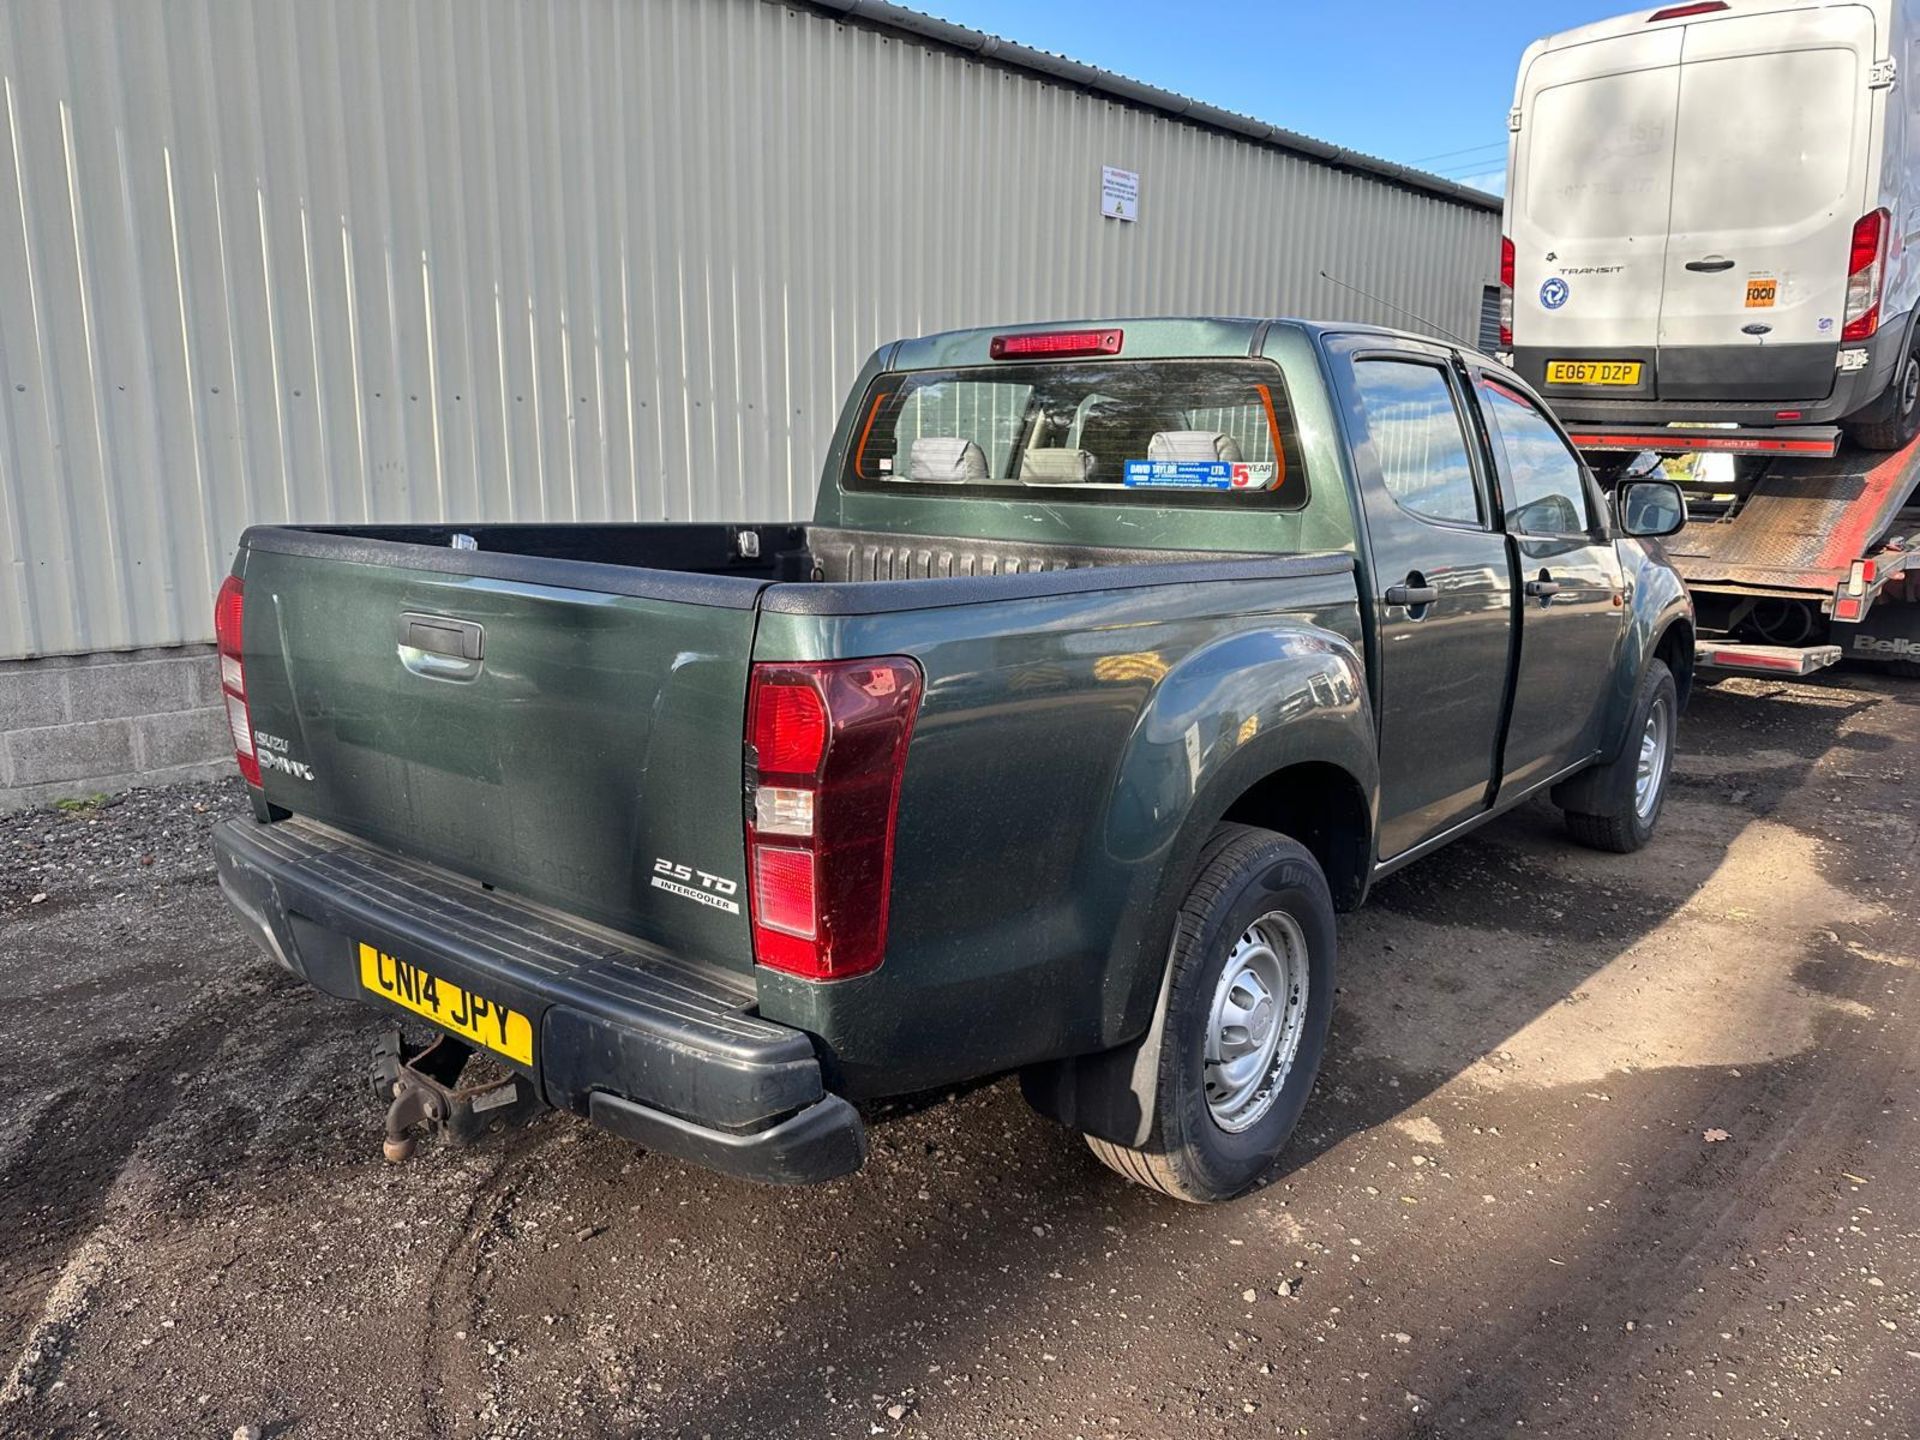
x=1613, y=1147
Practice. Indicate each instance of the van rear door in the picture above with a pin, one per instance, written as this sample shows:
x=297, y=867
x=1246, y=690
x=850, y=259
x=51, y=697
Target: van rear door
x=1770, y=173
x=1592, y=183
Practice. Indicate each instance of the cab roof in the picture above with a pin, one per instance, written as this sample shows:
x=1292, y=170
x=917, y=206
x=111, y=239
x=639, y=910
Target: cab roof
x=1143, y=338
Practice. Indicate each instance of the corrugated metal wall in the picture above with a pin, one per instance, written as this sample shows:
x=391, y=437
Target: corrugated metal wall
x=265, y=260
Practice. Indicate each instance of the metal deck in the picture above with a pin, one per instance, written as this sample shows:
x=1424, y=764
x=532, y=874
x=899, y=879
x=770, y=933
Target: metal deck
x=1802, y=523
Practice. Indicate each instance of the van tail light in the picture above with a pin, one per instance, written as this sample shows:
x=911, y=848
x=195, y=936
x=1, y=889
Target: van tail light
x=1506, y=293
x=1682, y=12
x=826, y=749
x=229, y=614
x=1866, y=270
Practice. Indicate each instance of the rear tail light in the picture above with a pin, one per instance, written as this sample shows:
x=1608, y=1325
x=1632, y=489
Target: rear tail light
x=1055, y=343
x=826, y=748
x=1866, y=269
x=229, y=629
x=1506, y=293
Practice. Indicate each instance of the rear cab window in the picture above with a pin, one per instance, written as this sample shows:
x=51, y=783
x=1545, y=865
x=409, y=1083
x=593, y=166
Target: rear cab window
x=1214, y=432
x=1419, y=438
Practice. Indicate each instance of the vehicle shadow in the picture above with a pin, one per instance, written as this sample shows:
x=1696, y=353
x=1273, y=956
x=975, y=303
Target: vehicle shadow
x=1453, y=958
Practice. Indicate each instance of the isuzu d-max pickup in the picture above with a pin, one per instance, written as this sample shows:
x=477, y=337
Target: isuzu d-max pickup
x=1117, y=657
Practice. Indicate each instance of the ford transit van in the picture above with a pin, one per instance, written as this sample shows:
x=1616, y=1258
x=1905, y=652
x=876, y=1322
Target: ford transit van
x=1709, y=209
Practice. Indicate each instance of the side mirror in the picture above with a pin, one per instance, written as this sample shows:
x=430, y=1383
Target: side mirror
x=1649, y=509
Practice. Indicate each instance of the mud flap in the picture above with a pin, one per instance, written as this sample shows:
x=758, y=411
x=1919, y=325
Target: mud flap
x=1109, y=1094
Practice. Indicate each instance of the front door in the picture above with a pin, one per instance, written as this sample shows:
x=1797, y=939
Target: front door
x=1572, y=604
x=1442, y=588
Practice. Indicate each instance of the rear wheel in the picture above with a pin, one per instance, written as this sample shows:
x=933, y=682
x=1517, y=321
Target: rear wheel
x=1249, y=999
x=1620, y=803
x=1893, y=421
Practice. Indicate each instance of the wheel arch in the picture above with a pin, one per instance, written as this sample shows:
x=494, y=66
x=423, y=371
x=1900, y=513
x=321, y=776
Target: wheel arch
x=1323, y=806
x=1675, y=645
x=1321, y=803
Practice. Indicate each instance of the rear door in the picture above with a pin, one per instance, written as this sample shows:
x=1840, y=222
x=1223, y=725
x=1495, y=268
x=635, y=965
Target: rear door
x=1592, y=183
x=1442, y=587
x=1573, y=616
x=578, y=747
x=1770, y=174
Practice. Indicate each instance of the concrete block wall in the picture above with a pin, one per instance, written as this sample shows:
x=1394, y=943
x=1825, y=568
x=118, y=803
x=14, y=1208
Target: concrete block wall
x=72, y=726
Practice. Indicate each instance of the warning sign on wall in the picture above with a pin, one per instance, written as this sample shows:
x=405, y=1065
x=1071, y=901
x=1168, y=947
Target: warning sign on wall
x=1119, y=194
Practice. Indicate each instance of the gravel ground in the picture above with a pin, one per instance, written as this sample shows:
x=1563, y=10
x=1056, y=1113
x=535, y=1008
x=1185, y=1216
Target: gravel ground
x=1609, y=1146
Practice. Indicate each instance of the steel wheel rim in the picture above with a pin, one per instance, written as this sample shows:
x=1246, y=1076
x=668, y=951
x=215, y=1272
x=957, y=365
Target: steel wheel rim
x=1256, y=1022
x=1909, y=384
x=1651, y=772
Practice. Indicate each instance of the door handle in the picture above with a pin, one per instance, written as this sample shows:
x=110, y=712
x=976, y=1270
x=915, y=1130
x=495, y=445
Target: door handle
x=1412, y=596
x=1543, y=589
x=1712, y=265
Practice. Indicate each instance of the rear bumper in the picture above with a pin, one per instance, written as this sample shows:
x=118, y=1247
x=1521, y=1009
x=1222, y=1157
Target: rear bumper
x=663, y=1052
x=1728, y=385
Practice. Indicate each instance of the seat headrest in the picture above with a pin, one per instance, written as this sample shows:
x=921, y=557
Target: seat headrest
x=1193, y=445
x=1056, y=467
x=946, y=460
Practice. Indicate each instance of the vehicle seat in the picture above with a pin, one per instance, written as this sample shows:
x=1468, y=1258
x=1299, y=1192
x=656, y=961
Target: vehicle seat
x=1116, y=431
x=1056, y=467
x=946, y=460
x=1194, y=445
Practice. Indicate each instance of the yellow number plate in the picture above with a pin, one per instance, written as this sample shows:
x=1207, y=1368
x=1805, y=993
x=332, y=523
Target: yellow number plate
x=1593, y=372
x=472, y=1017
x=1762, y=291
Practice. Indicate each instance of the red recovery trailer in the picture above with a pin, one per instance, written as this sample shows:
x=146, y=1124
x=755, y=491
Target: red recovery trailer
x=1798, y=553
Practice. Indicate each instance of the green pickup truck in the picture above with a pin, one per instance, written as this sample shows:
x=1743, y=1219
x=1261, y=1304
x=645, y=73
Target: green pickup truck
x=1117, y=658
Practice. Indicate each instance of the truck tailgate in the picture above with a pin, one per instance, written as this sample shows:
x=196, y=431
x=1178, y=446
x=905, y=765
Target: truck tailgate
x=578, y=747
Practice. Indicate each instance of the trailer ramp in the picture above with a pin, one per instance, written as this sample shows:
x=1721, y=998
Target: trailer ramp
x=1796, y=527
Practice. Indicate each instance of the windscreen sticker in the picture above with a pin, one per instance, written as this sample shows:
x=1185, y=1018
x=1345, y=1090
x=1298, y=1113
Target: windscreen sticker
x=1202, y=474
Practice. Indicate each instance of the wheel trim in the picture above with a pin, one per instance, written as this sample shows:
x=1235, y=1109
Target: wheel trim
x=1656, y=748
x=1256, y=1021
x=1909, y=384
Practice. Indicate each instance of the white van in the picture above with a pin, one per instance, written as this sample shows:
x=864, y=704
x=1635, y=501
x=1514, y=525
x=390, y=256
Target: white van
x=1709, y=215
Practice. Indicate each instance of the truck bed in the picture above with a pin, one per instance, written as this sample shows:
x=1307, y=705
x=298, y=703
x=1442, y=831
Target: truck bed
x=558, y=711
x=757, y=552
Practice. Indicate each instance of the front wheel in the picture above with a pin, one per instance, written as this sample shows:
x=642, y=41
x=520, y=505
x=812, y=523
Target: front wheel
x=1618, y=805
x=1249, y=999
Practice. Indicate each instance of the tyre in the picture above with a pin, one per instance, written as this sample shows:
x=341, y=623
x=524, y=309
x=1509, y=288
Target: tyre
x=1893, y=421
x=1616, y=806
x=1248, y=1001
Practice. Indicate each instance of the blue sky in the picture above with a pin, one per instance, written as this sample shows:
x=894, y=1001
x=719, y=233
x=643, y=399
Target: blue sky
x=1423, y=83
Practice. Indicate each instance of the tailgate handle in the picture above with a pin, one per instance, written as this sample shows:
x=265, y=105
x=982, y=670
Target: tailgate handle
x=441, y=647
x=1712, y=265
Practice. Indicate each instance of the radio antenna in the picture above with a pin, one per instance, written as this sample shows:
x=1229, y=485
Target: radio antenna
x=1380, y=300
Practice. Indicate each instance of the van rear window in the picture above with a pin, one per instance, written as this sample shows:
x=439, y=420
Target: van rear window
x=1154, y=431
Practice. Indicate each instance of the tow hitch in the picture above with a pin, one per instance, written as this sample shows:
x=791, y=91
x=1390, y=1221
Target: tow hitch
x=418, y=1087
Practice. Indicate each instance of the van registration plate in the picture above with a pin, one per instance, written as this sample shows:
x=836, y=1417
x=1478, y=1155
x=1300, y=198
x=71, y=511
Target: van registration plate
x=1593, y=372
x=451, y=1007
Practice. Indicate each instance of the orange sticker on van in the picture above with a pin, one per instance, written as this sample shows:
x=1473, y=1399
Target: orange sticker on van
x=1762, y=291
